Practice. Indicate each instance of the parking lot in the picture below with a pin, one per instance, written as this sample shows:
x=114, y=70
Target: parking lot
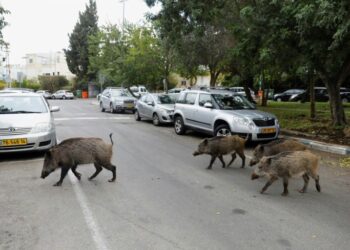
x=164, y=198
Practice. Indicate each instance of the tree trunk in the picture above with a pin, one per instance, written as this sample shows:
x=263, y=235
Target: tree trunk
x=312, y=98
x=214, y=74
x=336, y=106
x=248, y=83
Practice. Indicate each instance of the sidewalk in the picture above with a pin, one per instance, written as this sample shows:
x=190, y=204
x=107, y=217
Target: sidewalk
x=322, y=146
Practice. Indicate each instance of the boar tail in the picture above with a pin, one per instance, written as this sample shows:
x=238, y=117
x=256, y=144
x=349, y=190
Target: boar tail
x=246, y=138
x=110, y=136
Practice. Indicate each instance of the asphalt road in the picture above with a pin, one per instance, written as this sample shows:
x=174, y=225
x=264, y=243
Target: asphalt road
x=164, y=198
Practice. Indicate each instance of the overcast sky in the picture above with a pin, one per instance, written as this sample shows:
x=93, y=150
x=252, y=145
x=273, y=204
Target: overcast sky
x=40, y=26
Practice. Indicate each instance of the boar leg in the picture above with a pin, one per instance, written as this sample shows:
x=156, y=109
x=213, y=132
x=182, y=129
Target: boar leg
x=285, y=186
x=213, y=157
x=232, y=159
x=77, y=174
x=64, y=171
x=113, y=169
x=306, y=182
x=316, y=177
x=272, y=180
x=98, y=170
x=222, y=161
x=241, y=154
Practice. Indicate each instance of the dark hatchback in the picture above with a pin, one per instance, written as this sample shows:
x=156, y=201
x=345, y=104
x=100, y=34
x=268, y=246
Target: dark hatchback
x=286, y=95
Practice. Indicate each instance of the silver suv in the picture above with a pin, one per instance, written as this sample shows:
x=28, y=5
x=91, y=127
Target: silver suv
x=117, y=100
x=221, y=113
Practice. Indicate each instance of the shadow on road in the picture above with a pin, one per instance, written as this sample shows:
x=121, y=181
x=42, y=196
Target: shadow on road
x=21, y=156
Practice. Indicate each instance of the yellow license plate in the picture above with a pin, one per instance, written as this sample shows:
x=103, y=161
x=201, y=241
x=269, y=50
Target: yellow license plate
x=130, y=105
x=13, y=142
x=268, y=130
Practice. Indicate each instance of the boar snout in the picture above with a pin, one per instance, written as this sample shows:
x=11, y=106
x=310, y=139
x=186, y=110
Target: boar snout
x=195, y=153
x=254, y=176
x=44, y=174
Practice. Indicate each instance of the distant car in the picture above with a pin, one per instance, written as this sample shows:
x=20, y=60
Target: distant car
x=45, y=93
x=175, y=90
x=320, y=95
x=62, y=94
x=26, y=122
x=222, y=113
x=139, y=90
x=240, y=90
x=156, y=107
x=286, y=95
x=117, y=100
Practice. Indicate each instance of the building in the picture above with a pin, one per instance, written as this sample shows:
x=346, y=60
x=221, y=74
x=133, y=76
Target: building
x=51, y=64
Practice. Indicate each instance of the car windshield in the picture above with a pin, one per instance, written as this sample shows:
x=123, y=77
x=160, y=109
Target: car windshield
x=232, y=102
x=116, y=93
x=165, y=99
x=22, y=105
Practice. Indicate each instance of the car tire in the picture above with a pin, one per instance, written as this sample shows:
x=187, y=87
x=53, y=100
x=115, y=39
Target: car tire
x=101, y=107
x=53, y=97
x=222, y=130
x=179, y=125
x=155, y=120
x=279, y=99
x=137, y=116
x=64, y=97
x=111, y=109
x=344, y=100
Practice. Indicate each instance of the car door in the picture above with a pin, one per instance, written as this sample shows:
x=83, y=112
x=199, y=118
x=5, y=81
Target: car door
x=141, y=105
x=203, y=116
x=149, y=106
x=105, y=99
x=189, y=109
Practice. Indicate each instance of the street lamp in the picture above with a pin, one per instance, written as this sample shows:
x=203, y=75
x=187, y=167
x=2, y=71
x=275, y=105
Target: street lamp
x=123, y=1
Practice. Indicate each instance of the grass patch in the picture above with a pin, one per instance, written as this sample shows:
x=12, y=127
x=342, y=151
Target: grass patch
x=296, y=116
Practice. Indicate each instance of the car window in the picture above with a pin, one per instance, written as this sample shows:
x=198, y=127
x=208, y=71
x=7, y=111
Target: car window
x=232, y=102
x=181, y=98
x=22, y=105
x=164, y=99
x=143, y=98
x=204, y=98
x=190, y=98
x=149, y=99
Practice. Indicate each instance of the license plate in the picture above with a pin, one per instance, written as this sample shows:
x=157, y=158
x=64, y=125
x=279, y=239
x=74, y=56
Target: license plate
x=13, y=142
x=268, y=130
x=130, y=105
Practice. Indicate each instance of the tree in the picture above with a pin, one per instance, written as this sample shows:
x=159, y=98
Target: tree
x=77, y=54
x=3, y=24
x=52, y=83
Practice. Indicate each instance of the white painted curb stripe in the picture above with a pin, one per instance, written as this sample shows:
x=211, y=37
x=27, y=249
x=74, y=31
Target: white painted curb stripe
x=94, y=229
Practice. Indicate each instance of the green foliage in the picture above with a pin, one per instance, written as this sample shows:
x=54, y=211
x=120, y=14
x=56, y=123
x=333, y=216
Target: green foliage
x=2, y=84
x=53, y=83
x=3, y=24
x=77, y=54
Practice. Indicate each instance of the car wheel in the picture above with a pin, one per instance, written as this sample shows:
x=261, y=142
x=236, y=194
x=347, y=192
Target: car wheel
x=222, y=130
x=101, y=107
x=111, y=109
x=53, y=97
x=179, y=125
x=156, y=121
x=345, y=100
x=64, y=97
x=279, y=99
x=137, y=116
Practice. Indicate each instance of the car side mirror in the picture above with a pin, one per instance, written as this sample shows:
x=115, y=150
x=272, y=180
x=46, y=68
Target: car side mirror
x=208, y=105
x=150, y=103
x=54, y=109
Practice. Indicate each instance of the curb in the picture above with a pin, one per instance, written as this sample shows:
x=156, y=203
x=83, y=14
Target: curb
x=322, y=146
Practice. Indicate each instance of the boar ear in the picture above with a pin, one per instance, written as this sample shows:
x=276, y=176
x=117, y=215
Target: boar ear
x=48, y=153
x=261, y=148
x=268, y=161
x=205, y=141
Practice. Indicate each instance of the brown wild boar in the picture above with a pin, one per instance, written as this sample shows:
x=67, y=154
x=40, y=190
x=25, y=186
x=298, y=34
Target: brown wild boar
x=286, y=165
x=275, y=147
x=74, y=151
x=222, y=145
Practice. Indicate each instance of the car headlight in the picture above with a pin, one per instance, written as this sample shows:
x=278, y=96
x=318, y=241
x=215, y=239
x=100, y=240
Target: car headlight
x=245, y=121
x=42, y=127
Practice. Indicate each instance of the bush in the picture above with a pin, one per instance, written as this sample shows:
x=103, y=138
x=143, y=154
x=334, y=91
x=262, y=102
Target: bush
x=53, y=83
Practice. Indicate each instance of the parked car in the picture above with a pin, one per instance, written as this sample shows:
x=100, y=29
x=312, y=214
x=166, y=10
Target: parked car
x=176, y=90
x=62, y=94
x=156, y=107
x=221, y=113
x=139, y=90
x=320, y=95
x=286, y=95
x=45, y=93
x=240, y=90
x=117, y=100
x=26, y=122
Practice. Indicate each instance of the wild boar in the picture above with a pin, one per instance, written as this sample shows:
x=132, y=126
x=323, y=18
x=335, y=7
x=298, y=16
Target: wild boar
x=74, y=151
x=275, y=147
x=222, y=145
x=286, y=165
